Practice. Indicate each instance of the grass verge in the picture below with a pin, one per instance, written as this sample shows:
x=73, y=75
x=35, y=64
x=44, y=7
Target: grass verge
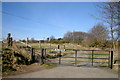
x=49, y=66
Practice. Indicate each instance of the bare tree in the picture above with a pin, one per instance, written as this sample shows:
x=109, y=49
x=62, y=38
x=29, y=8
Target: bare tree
x=98, y=33
x=52, y=38
x=110, y=14
x=68, y=36
x=32, y=40
x=48, y=39
x=78, y=36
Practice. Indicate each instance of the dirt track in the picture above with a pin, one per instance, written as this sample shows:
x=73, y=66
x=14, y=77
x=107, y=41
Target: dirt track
x=70, y=71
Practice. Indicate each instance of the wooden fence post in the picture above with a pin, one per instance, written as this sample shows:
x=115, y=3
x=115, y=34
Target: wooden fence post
x=39, y=44
x=58, y=46
x=111, y=66
x=50, y=45
x=92, y=56
x=27, y=42
x=32, y=55
x=64, y=46
x=60, y=58
x=42, y=56
x=76, y=58
x=45, y=55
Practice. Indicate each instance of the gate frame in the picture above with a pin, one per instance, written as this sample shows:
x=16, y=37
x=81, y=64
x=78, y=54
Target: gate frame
x=110, y=61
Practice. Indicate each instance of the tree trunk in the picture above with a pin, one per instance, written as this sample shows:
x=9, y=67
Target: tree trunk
x=111, y=27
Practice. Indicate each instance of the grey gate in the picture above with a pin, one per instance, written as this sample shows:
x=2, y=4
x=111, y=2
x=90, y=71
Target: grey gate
x=76, y=57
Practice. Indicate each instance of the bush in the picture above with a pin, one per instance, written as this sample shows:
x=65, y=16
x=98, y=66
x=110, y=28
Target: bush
x=11, y=58
x=102, y=45
x=7, y=68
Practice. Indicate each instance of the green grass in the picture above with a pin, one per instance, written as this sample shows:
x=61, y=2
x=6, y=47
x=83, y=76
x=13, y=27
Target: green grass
x=73, y=62
x=102, y=62
x=49, y=66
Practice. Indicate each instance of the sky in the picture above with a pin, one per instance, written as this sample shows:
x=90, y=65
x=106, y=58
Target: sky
x=40, y=20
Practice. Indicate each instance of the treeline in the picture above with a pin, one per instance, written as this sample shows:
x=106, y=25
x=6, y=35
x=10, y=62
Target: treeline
x=97, y=36
x=48, y=40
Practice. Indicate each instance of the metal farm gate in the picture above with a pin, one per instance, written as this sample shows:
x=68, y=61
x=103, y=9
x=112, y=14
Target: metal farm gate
x=76, y=57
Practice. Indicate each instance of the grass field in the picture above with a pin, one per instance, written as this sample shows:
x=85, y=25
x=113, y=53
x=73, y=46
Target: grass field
x=51, y=45
x=101, y=58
